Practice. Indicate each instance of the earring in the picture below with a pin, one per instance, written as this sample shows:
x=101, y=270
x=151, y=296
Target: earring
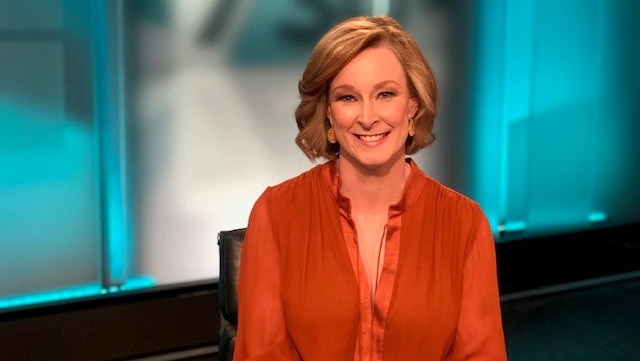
x=331, y=136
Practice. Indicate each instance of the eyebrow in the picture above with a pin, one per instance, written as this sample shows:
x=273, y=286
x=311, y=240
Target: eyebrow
x=376, y=86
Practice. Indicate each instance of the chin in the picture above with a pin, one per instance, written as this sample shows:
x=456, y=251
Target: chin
x=374, y=162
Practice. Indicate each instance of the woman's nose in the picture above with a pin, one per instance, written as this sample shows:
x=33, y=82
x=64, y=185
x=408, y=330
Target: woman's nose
x=368, y=116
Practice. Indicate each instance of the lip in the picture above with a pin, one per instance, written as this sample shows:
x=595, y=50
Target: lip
x=372, y=139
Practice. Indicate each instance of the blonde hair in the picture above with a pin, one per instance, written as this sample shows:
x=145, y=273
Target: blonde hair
x=333, y=51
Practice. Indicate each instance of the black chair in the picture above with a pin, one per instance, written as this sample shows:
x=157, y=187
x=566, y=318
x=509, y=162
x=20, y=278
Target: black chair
x=230, y=245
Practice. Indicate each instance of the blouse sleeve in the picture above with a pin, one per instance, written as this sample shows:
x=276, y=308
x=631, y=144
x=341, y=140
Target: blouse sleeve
x=479, y=335
x=262, y=332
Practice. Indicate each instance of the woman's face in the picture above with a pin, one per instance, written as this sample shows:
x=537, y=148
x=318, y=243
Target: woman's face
x=370, y=109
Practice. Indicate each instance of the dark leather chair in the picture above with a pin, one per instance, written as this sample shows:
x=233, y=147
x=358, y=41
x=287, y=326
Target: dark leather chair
x=229, y=245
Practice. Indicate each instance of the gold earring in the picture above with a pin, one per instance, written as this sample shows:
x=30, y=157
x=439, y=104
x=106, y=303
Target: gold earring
x=331, y=136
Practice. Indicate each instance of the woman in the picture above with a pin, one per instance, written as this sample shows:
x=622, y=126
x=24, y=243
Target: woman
x=364, y=257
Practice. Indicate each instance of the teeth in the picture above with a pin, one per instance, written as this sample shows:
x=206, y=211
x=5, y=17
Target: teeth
x=371, y=138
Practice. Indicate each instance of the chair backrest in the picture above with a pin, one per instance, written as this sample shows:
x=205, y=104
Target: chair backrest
x=230, y=247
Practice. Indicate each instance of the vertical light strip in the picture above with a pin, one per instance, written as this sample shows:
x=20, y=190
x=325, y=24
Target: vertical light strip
x=110, y=123
x=121, y=261
x=596, y=215
x=486, y=107
x=504, y=116
x=516, y=113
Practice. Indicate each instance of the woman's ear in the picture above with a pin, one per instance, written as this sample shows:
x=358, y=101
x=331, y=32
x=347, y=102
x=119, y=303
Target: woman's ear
x=414, y=106
x=412, y=127
x=413, y=110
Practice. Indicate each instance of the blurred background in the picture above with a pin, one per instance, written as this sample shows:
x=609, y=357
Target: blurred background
x=133, y=131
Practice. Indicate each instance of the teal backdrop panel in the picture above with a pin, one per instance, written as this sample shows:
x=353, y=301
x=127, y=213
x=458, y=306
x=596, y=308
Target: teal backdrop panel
x=49, y=195
x=63, y=225
x=553, y=116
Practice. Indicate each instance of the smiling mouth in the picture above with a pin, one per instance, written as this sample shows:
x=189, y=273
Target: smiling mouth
x=372, y=138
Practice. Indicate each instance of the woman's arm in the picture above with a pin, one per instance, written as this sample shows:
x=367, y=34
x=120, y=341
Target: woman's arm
x=262, y=331
x=479, y=334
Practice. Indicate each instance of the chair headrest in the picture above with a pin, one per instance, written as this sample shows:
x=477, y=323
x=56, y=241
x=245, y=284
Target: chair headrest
x=230, y=247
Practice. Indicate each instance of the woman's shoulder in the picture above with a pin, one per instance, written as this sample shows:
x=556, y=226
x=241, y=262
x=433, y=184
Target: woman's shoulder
x=433, y=190
x=457, y=213
x=451, y=199
x=448, y=192
x=292, y=199
x=297, y=187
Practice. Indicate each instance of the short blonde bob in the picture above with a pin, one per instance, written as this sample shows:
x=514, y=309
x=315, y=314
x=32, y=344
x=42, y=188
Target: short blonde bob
x=333, y=51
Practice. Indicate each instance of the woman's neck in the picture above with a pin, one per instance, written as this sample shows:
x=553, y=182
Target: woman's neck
x=373, y=188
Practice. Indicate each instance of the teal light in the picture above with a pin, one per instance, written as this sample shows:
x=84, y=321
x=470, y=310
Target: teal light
x=109, y=114
x=64, y=205
x=597, y=217
x=52, y=296
x=515, y=226
x=75, y=292
x=486, y=109
x=552, y=118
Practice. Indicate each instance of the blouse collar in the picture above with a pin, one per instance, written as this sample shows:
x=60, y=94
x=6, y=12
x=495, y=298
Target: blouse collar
x=413, y=187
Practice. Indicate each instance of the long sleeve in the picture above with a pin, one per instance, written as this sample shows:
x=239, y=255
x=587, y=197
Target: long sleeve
x=262, y=332
x=479, y=335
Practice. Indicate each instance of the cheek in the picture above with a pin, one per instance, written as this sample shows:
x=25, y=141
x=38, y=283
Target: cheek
x=343, y=116
x=394, y=114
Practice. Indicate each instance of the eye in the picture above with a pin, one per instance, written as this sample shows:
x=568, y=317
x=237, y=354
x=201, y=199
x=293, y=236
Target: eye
x=346, y=98
x=386, y=94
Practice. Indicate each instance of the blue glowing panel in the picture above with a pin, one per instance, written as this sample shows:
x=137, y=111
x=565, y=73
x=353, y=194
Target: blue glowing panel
x=553, y=111
x=49, y=231
x=488, y=134
x=63, y=208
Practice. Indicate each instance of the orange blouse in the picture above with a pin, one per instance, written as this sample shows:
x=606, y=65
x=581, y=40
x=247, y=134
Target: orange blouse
x=303, y=293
